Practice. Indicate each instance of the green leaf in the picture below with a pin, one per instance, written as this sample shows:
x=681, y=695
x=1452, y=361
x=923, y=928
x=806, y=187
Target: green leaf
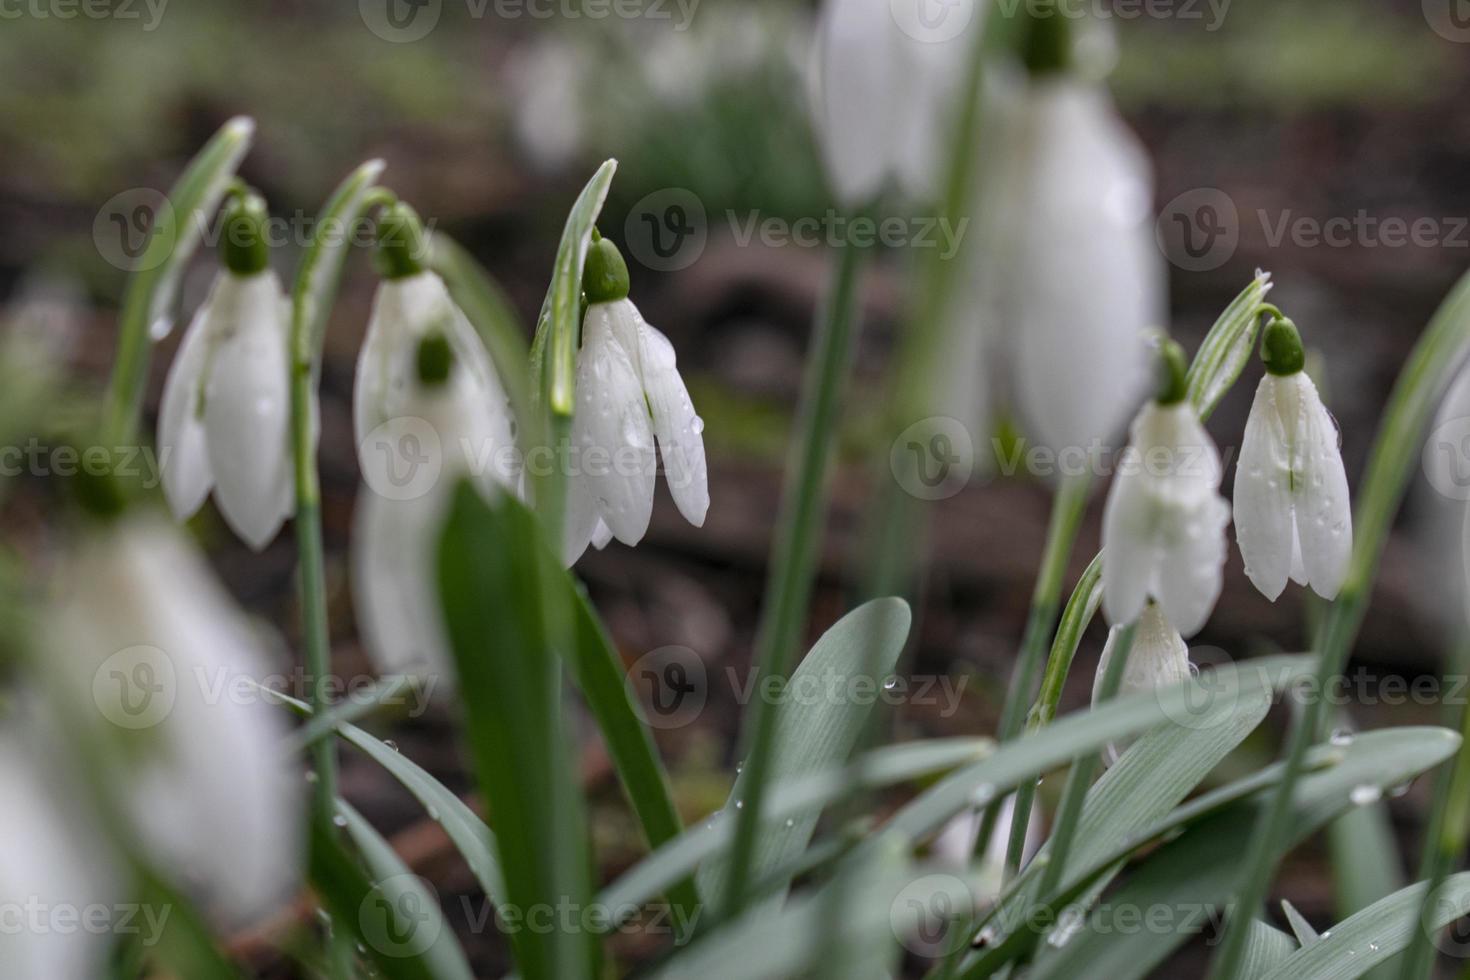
x=1199, y=872
x=1365, y=865
x=1265, y=948
x=879, y=768
x=316, y=282
x=1380, y=931
x=1227, y=348
x=494, y=589
x=186, y=944
x=151, y=291
x=1300, y=927
x=554, y=349
x=399, y=898
x=818, y=734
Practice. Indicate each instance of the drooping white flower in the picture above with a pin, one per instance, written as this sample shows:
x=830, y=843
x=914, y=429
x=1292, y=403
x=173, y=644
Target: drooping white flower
x=1074, y=279
x=629, y=393
x=49, y=856
x=225, y=417
x=157, y=660
x=1292, y=514
x=882, y=94
x=402, y=507
x=1164, y=523
x=411, y=303
x=1158, y=658
x=955, y=845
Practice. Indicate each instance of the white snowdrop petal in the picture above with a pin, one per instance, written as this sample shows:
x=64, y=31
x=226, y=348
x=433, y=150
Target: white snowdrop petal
x=1128, y=545
x=611, y=430
x=1324, y=514
x=182, y=453
x=247, y=411
x=580, y=522
x=855, y=80
x=1191, y=568
x=676, y=425
x=601, y=535
x=1158, y=658
x=1263, y=524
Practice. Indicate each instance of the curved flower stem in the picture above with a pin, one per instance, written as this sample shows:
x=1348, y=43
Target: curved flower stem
x=1061, y=533
x=1395, y=452
x=1449, y=824
x=311, y=299
x=794, y=557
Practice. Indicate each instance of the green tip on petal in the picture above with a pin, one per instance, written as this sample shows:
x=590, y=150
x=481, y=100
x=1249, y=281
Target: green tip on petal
x=605, y=275
x=243, y=244
x=1046, y=40
x=435, y=359
x=402, y=248
x=1173, y=369
x=1281, y=347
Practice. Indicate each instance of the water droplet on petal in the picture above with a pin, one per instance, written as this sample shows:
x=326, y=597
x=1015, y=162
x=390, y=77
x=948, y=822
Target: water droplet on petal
x=1365, y=795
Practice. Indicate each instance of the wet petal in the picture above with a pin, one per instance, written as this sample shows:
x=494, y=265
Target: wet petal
x=182, y=451
x=1263, y=509
x=611, y=431
x=1324, y=513
x=675, y=424
x=1129, y=549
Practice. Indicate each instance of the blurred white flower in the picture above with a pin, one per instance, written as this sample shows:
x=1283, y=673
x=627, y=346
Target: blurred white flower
x=547, y=79
x=955, y=845
x=405, y=311
x=1158, y=658
x=1292, y=514
x=396, y=527
x=1073, y=279
x=48, y=858
x=881, y=100
x=629, y=392
x=225, y=417
x=1164, y=523
x=152, y=652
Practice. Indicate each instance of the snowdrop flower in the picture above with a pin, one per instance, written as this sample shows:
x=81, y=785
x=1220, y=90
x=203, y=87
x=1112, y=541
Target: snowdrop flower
x=412, y=303
x=48, y=856
x=629, y=392
x=1158, y=658
x=224, y=421
x=1292, y=516
x=955, y=845
x=1075, y=279
x=1164, y=523
x=155, y=658
x=396, y=528
x=881, y=97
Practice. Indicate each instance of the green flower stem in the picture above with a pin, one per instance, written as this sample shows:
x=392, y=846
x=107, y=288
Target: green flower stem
x=794, y=557
x=311, y=299
x=1395, y=453
x=175, y=234
x=1449, y=824
x=1066, y=517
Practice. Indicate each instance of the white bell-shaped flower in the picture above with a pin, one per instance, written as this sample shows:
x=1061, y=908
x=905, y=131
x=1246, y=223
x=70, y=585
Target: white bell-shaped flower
x=411, y=303
x=1292, y=514
x=226, y=412
x=1163, y=532
x=51, y=865
x=629, y=393
x=438, y=439
x=882, y=91
x=1075, y=279
x=1158, y=658
x=954, y=846
x=160, y=662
